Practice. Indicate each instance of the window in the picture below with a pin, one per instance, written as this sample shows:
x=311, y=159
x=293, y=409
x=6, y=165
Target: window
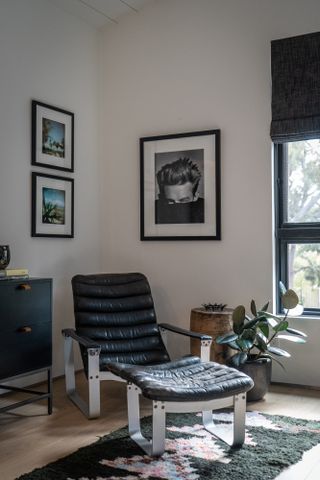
x=295, y=131
x=297, y=195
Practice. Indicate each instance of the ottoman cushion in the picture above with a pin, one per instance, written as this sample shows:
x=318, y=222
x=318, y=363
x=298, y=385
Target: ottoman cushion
x=184, y=380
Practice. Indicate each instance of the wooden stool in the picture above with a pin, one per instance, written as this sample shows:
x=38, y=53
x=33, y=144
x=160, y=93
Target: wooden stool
x=213, y=323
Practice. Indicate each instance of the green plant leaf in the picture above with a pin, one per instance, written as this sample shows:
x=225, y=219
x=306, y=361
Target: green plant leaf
x=265, y=307
x=264, y=327
x=238, y=317
x=251, y=323
x=282, y=288
x=248, y=343
x=253, y=308
x=274, y=360
x=290, y=299
x=238, y=359
x=244, y=344
x=226, y=338
x=238, y=314
x=234, y=346
x=292, y=338
x=261, y=344
x=283, y=325
x=271, y=319
x=278, y=351
x=296, y=332
x=269, y=315
x=260, y=335
x=248, y=333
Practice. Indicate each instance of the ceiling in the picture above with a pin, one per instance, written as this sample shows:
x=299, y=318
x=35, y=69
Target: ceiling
x=99, y=13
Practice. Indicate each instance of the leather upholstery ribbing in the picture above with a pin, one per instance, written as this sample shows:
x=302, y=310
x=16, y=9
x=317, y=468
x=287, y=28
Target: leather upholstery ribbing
x=185, y=380
x=117, y=311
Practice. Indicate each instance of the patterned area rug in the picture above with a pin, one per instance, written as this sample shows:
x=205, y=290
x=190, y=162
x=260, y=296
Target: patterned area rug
x=272, y=444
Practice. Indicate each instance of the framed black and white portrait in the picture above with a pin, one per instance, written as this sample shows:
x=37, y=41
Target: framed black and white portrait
x=180, y=186
x=52, y=137
x=52, y=206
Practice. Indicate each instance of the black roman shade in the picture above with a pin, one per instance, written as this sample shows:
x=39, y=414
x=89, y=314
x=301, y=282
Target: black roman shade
x=295, y=70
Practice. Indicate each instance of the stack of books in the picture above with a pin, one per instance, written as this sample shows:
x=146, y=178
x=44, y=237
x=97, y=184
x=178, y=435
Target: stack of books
x=14, y=273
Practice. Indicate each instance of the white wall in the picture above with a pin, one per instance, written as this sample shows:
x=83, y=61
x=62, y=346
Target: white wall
x=186, y=65
x=303, y=366
x=48, y=55
x=178, y=65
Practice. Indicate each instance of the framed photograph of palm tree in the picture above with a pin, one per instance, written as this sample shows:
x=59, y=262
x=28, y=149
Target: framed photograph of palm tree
x=52, y=137
x=52, y=206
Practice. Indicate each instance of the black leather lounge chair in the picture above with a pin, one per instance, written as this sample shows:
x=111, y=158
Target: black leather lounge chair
x=120, y=339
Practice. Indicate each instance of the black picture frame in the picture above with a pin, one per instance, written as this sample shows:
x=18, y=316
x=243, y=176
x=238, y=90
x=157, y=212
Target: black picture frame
x=56, y=193
x=196, y=156
x=56, y=149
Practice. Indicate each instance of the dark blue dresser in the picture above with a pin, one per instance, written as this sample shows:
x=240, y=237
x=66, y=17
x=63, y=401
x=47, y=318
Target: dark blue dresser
x=26, y=335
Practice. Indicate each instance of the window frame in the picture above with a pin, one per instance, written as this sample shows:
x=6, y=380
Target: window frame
x=285, y=232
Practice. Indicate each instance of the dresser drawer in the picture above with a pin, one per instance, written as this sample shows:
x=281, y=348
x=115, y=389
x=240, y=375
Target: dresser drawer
x=24, y=302
x=24, y=351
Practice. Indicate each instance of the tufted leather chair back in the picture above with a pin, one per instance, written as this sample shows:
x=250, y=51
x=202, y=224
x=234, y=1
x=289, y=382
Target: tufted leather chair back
x=117, y=311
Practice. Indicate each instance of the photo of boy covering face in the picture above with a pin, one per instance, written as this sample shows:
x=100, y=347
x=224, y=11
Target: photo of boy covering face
x=179, y=187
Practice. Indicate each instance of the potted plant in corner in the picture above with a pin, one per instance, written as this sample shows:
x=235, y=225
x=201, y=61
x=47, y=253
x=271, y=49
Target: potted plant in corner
x=253, y=339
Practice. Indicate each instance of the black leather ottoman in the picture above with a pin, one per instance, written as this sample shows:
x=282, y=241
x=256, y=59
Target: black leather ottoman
x=186, y=385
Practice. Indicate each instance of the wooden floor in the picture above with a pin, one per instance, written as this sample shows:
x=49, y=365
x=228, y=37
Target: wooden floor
x=29, y=438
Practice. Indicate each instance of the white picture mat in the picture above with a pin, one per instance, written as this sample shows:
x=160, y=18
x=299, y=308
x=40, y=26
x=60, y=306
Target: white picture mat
x=43, y=112
x=206, y=142
x=57, y=184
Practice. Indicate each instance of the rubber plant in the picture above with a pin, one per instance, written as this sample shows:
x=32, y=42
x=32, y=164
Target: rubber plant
x=253, y=336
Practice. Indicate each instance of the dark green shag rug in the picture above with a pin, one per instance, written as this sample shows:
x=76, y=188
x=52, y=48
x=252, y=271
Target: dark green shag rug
x=272, y=444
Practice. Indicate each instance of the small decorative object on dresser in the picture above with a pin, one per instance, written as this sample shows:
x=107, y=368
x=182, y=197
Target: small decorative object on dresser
x=25, y=336
x=4, y=256
x=213, y=320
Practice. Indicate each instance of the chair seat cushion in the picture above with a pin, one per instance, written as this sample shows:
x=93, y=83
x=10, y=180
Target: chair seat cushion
x=184, y=380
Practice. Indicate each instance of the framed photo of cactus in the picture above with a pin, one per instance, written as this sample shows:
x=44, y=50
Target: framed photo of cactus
x=52, y=137
x=52, y=206
x=180, y=186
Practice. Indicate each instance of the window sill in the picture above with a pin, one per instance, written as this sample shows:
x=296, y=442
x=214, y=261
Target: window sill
x=301, y=317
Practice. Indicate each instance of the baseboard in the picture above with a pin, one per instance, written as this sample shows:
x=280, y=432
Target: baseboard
x=296, y=385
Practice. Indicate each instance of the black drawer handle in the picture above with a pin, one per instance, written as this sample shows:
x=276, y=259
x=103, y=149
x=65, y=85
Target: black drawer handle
x=24, y=286
x=24, y=330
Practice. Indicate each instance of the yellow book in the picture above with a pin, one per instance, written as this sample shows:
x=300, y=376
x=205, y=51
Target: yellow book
x=12, y=272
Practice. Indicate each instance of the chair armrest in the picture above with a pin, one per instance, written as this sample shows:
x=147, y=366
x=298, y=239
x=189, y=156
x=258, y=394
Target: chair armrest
x=182, y=331
x=85, y=341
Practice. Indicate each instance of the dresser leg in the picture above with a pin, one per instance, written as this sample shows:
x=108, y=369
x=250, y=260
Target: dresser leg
x=49, y=391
